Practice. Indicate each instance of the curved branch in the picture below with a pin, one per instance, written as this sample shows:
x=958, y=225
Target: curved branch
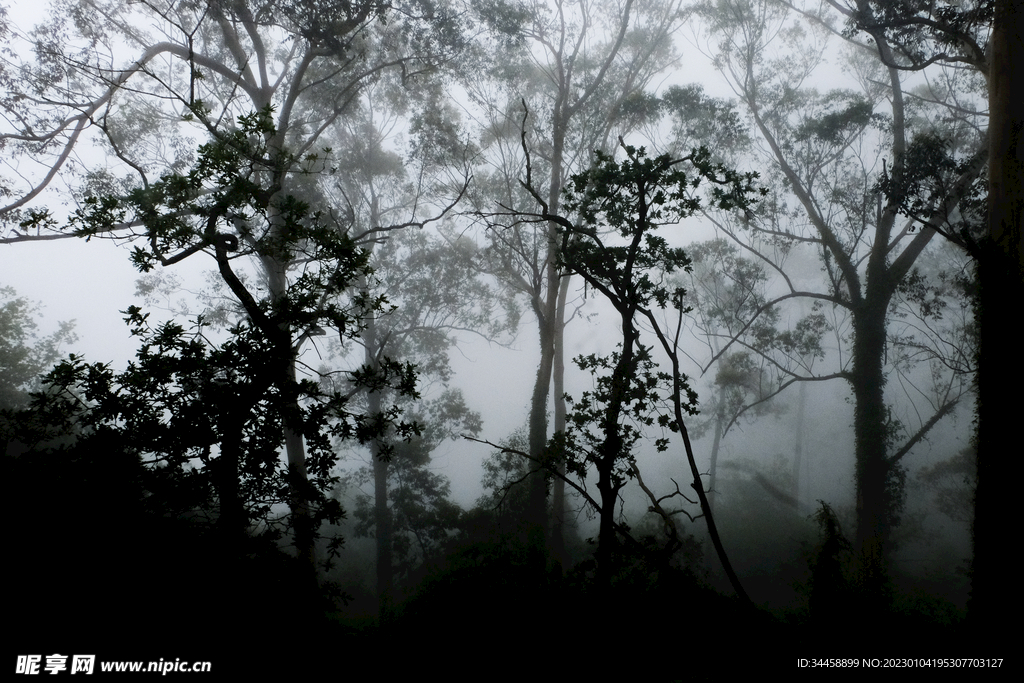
x=81, y=121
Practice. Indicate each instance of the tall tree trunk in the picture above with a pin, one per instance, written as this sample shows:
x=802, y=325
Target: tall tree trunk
x=1001, y=276
x=545, y=306
x=295, y=446
x=381, y=511
x=558, y=553
x=869, y=426
x=798, y=446
x=719, y=428
x=382, y=519
x=536, y=511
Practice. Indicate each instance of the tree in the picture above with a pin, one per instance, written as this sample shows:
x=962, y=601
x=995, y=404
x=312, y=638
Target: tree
x=984, y=34
x=432, y=289
x=1001, y=278
x=24, y=356
x=634, y=198
x=419, y=515
x=433, y=294
x=952, y=482
x=286, y=72
x=223, y=206
x=503, y=498
x=725, y=290
x=582, y=68
x=867, y=226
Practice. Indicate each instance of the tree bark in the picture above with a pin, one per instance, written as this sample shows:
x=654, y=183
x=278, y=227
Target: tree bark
x=536, y=511
x=713, y=469
x=381, y=511
x=558, y=554
x=869, y=426
x=1001, y=277
x=798, y=445
x=546, y=309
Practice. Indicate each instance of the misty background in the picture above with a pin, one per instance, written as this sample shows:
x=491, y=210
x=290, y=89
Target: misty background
x=309, y=247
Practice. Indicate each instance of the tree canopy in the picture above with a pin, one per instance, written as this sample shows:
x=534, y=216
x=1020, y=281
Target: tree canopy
x=377, y=188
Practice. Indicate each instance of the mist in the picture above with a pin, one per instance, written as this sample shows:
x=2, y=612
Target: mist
x=450, y=331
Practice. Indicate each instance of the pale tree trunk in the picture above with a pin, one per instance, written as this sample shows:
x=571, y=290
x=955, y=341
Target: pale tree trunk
x=536, y=514
x=1001, y=275
x=383, y=522
x=798, y=446
x=381, y=511
x=558, y=553
x=295, y=446
x=276, y=268
x=713, y=469
x=545, y=305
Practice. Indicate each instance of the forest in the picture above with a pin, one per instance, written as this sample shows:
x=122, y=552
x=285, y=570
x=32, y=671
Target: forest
x=639, y=333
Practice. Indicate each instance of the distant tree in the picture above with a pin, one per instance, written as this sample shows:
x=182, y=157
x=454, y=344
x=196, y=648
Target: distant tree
x=725, y=290
x=582, y=69
x=224, y=208
x=433, y=294
x=24, y=355
x=766, y=528
x=628, y=267
x=291, y=70
x=866, y=216
x=504, y=473
x=952, y=482
x=420, y=515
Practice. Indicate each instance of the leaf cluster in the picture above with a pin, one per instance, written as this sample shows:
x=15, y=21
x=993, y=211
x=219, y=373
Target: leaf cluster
x=926, y=31
x=953, y=483
x=24, y=355
x=206, y=413
x=930, y=171
x=184, y=403
x=634, y=197
x=642, y=403
x=422, y=515
x=698, y=118
x=233, y=203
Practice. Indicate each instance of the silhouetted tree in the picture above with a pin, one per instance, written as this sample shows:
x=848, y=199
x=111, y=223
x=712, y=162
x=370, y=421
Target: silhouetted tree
x=24, y=355
x=628, y=268
x=866, y=219
x=1001, y=278
x=294, y=69
x=582, y=68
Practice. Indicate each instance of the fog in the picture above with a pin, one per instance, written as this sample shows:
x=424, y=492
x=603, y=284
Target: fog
x=318, y=255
